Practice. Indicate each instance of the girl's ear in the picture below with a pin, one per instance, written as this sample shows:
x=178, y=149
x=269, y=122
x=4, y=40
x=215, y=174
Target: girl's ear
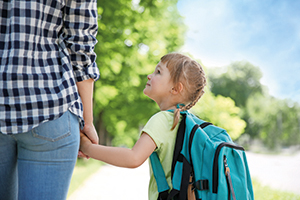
x=177, y=88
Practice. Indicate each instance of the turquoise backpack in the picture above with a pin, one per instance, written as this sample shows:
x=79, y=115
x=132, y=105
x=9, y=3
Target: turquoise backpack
x=205, y=152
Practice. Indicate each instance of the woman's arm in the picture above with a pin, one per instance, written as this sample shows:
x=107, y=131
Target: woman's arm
x=85, y=90
x=118, y=156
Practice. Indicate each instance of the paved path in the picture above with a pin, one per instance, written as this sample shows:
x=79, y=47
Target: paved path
x=110, y=183
x=278, y=171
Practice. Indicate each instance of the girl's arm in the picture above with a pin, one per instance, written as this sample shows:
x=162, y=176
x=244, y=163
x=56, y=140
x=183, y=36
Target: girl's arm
x=118, y=156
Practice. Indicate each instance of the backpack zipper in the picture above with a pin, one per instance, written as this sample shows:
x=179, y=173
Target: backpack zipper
x=228, y=179
x=216, y=162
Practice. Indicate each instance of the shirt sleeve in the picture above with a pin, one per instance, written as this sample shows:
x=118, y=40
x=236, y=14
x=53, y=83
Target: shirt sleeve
x=80, y=30
x=157, y=126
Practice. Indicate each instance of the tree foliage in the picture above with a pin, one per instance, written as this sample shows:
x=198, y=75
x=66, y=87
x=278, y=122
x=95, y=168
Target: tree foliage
x=132, y=36
x=241, y=80
x=222, y=112
x=276, y=122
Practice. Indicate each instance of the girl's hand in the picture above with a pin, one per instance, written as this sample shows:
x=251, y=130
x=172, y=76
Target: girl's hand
x=84, y=143
x=82, y=155
x=90, y=132
x=120, y=156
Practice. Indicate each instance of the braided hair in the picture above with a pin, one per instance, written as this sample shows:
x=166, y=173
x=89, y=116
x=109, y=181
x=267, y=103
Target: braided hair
x=191, y=74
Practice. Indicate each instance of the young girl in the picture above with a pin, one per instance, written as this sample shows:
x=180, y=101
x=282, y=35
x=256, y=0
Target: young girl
x=176, y=84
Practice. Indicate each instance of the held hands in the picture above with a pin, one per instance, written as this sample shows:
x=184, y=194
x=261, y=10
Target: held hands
x=90, y=131
x=85, y=142
x=88, y=135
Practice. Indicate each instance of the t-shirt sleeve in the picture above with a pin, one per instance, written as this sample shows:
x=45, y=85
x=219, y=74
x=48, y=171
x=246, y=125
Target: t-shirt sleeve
x=157, y=125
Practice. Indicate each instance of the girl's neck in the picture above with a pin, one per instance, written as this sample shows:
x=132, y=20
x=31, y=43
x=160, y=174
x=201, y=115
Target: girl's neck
x=168, y=108
x=164, y=107
x=170, y=102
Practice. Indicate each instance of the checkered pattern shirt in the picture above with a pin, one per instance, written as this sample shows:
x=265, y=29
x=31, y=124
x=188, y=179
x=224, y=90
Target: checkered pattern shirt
x=45, y=48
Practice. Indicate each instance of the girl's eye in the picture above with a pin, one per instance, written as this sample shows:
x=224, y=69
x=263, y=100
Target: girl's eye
x=158, y=71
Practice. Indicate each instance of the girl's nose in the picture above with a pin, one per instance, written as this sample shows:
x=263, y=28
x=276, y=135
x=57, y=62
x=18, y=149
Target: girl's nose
x=149, y=76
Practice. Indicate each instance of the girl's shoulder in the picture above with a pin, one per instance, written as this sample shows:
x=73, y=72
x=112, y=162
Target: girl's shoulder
x=163, y=115
x=159, y=127
x=161, y=118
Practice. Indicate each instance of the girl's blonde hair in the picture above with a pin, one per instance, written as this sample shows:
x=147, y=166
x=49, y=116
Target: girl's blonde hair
x=190, y=73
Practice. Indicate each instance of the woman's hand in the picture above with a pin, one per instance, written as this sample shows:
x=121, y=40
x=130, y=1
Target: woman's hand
x=90, y=131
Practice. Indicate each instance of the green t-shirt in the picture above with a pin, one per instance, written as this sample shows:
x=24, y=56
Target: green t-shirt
x=159, y=129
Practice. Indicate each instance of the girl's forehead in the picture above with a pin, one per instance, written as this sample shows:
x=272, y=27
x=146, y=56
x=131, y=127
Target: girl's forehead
x=161, y=65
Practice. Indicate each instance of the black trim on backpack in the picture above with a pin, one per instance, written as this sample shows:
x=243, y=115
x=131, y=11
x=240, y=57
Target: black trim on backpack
x=216, y=162
x=193, y=131
x=173, y=193
x=178, y=145
x=205, y=124
x=185, y=180
x=163, y=195
x=202, y=185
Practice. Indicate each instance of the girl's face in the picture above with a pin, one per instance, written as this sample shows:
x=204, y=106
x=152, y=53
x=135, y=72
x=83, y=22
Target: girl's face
x=159, y=84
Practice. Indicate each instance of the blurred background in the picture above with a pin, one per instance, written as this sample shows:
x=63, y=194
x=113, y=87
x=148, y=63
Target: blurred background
x=250, y=51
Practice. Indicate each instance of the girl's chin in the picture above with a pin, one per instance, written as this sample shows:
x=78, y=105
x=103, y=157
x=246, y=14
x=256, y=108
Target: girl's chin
x=145, y=90
x=145, y=93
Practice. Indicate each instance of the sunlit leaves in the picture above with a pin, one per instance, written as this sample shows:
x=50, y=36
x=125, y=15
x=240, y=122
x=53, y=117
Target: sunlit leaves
x=222, y=112
x=241, y=80
x=132, y=36
x=276, y=122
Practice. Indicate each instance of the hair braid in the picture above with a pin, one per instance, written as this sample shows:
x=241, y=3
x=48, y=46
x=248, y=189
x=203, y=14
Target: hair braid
x=190, y=73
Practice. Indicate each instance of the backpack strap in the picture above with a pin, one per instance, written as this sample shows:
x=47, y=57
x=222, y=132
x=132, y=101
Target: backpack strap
x=159, y=175
x=178, y=144
x=178, y=157
x=200, y=184
x=185, y=177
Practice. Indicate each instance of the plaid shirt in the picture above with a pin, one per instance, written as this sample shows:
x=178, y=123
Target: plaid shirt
x=45, y=48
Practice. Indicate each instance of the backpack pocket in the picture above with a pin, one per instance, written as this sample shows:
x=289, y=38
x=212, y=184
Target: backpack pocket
x=231, y=176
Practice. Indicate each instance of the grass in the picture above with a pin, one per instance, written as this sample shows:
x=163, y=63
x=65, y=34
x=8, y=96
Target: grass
x=267, y=193
x=85, y=168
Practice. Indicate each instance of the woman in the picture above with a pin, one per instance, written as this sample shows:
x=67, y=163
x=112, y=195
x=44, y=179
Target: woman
x=47, y=72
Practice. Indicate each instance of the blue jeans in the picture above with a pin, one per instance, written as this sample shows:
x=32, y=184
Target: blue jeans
x=39, y=164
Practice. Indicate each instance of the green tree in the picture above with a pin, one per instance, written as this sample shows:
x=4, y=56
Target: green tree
x=240, y=81
x=132, y=36
x=277, y=122
x=222, y=112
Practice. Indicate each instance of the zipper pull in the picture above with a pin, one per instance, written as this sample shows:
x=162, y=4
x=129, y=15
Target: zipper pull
x=227, y=170
x=228, y=177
